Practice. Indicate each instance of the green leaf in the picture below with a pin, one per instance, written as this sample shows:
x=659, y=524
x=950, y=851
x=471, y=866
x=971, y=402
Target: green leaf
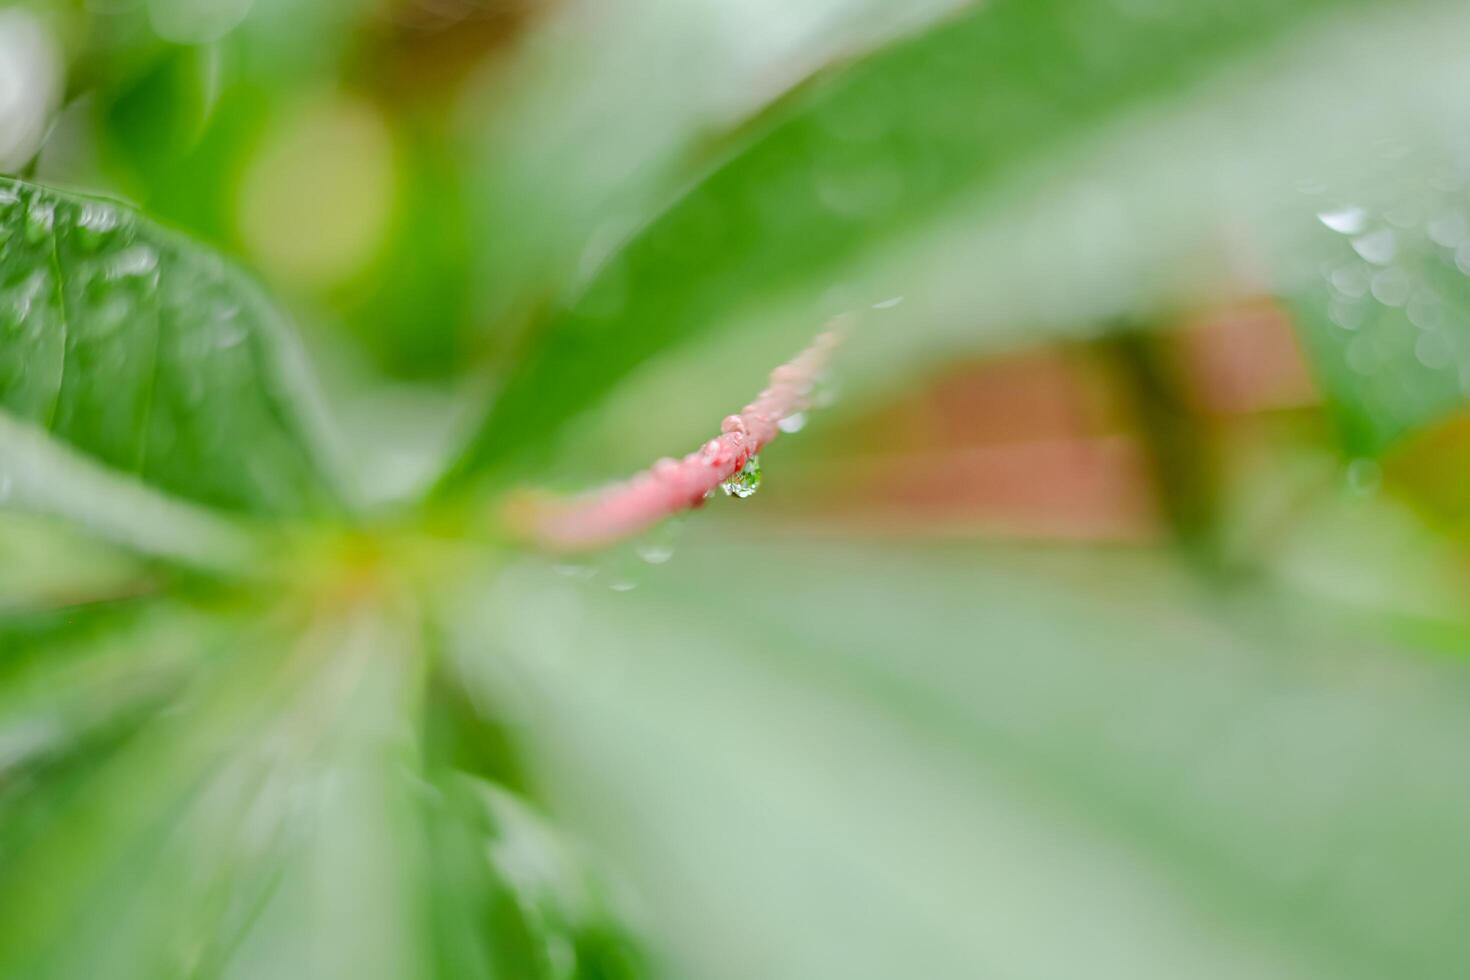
x=512, y=898
x=845, y=759
x=863, y=159
x=582, y=140
x=47, y=565
x=281, y=818
x=133, y=356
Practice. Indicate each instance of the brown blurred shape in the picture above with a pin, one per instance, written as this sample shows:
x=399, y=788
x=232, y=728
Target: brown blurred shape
x=1047, y=444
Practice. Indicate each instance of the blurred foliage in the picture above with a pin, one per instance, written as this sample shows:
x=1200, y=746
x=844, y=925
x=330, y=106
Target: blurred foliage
x=279, y=697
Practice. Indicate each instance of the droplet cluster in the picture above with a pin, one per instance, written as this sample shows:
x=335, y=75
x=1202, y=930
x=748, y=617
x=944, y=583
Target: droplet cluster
x=729, y=462
x=145, y=352
x=1394, y=276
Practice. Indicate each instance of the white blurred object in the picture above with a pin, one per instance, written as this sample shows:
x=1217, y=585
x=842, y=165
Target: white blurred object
x=30, y=85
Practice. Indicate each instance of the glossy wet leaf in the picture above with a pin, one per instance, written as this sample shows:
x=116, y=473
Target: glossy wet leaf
x=153, y=359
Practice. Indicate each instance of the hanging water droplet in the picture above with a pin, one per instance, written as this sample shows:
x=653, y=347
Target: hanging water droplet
x=1347, y=221
x=622, y=585
x=793, y=422
x=746, y=482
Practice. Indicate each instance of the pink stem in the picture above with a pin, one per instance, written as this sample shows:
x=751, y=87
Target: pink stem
x=672, y=485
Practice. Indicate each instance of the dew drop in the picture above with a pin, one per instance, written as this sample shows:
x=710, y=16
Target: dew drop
x=1425, y=310
x=40, y=219
x=622, y=585
x=1346, y=313
x=710, y=453
x=1350, y=280
x=1447, y=229
x=1347, y=221
x=794, y=422
x=746, y=482
x=655, y=554
x=1391, y=287
x=95, y=223
x=1378, y=247
x=1432, y=351
x=1462, y=257
x=136, y=262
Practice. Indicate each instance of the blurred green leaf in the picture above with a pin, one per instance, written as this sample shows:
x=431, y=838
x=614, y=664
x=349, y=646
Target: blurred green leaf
x=161, y=862
x=842, y=759
x=281, y=819
x=579, y=138
x=863, y=158
x=46, y=564
x=132, y=353
x=821, y=758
